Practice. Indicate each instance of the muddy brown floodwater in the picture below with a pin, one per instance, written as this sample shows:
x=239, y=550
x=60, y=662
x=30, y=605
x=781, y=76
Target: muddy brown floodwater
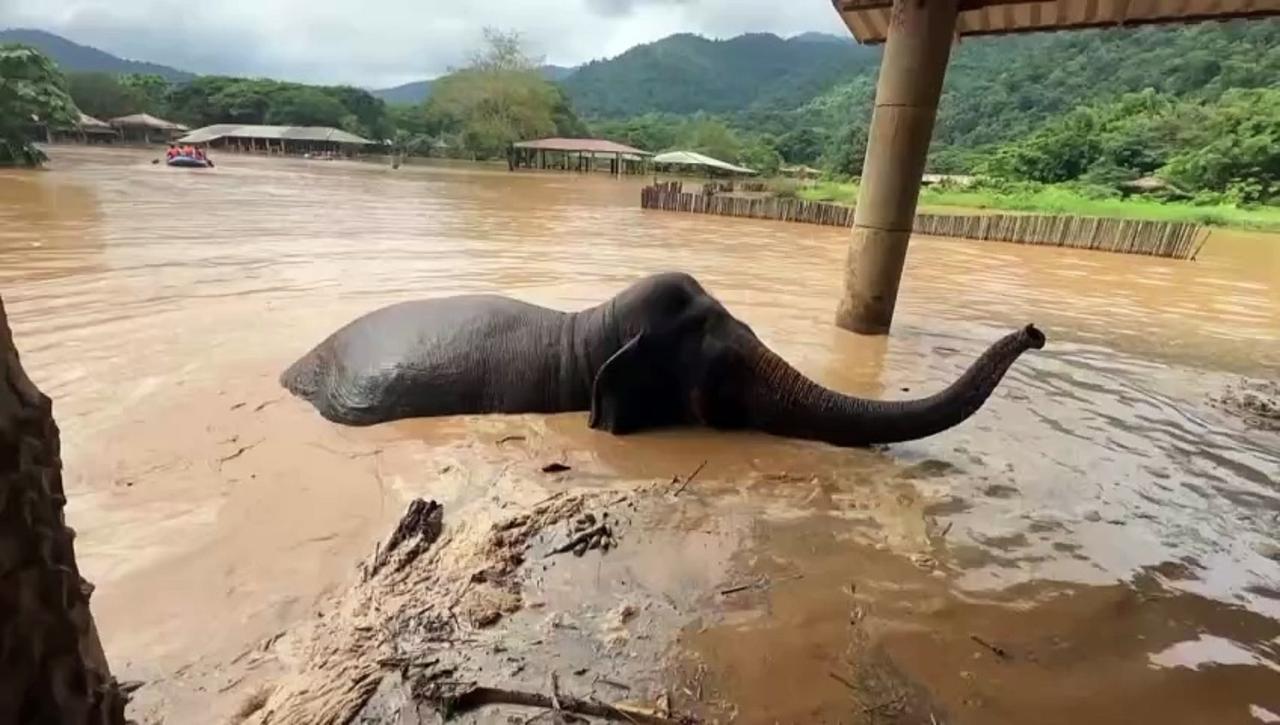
x=1099, y=544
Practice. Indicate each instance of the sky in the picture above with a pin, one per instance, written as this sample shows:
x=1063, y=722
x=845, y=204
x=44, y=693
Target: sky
x=380, y=43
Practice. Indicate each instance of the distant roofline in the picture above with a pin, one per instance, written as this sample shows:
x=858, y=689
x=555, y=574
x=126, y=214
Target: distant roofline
x=593, y=145
x=329, y=134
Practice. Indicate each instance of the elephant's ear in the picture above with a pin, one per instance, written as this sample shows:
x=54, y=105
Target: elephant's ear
x=633, y=390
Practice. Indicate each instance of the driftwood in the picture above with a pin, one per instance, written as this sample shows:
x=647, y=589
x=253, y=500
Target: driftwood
x=421, y=524
x=478, y=696
x=996, y=650
x=590, y=535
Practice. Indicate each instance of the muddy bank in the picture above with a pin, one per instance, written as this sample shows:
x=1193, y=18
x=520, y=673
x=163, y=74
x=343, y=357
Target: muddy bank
x=1256, y=402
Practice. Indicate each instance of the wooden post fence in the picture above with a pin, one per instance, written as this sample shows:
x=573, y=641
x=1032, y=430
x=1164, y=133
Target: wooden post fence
x=1176, y=240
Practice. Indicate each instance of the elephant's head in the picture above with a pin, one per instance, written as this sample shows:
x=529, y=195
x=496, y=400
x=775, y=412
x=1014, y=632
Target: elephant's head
x=685, y=359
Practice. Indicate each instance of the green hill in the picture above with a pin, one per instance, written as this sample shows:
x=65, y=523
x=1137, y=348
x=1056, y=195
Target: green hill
x=81, y=58
x=419, y=91
x=998, y=89
x=685, y=74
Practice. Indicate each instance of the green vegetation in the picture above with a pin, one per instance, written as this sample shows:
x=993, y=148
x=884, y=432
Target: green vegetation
x=1030, y=197
x=220, y=99
x=103, y=95
x=1087, y=111
x=500, y=97
x=32, y=91
x=1227, y=150
x=1048, y=122
x=687, y=74
x=702, y=133
x=997, y=90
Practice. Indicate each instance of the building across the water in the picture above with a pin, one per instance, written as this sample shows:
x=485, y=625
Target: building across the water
x=294, y=140
x=577, y=154
x=146, y=128
x=87, y=130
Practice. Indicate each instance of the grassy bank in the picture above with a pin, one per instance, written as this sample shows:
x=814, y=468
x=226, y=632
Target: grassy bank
x=1056, y=200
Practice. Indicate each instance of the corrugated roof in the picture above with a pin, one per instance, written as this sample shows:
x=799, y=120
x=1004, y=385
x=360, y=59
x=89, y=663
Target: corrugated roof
x=595, y=145
x=275, y=133
x=148, y=121
x=868, y=20
x=693, y=158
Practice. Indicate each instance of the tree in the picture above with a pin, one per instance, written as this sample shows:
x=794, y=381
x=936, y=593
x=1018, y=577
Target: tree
x=1236, y=149
x=500, y=98
x=32, y=91
x=53, y=669
x=711, y=137
x=761, y=155
x=802, y=145
x=567, y=123
x=503, y=51
x=1226, y=146
x=103, y=95
x=367, y=113
x=305, y=107
x=651, y=132
x=152, y=88
x=219, y=99
x=847, y=151
x=243, y=102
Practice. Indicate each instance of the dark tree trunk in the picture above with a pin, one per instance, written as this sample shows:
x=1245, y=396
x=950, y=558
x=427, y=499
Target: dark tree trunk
x=52, y=668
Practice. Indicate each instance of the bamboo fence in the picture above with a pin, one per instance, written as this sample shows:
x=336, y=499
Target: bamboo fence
x=1177, y=240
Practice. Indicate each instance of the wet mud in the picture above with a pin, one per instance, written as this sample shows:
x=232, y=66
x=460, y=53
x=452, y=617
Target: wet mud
x=1100, y=540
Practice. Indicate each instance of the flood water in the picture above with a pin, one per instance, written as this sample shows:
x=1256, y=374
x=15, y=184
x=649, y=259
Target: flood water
x=1099, y=541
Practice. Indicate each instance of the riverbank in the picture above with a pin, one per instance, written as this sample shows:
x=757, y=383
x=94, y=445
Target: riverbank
x=1057, y=200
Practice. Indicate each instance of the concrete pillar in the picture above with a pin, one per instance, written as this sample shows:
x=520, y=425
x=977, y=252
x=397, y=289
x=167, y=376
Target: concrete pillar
x=915, y=61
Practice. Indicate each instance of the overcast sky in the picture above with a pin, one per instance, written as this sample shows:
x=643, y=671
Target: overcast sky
x=378, y=43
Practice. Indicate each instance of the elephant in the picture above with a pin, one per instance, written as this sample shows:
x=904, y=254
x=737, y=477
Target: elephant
x=663, y=352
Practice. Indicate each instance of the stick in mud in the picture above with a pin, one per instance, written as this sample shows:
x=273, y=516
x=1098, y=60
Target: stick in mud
x=689, y=478
x=761, y=583
x=842, y=681
x=584, y=540
x=1000, y=652
x=479, y=696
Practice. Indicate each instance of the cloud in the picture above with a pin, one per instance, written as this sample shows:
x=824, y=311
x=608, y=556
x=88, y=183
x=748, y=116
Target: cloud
x=622, y=8
x=383, y=43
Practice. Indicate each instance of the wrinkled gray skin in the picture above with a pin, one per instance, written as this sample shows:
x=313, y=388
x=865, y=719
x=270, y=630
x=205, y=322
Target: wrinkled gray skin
x=661, y=353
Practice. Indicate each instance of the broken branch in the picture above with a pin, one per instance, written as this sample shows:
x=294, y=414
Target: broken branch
x=997, y=650
x=689, y=478
x=478, y=696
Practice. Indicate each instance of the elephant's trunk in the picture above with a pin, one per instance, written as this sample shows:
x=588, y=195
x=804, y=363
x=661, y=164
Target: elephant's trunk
x=785, y=402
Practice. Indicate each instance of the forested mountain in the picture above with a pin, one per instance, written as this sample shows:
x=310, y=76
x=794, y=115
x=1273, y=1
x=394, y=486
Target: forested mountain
x=688, y=73
x=999, y=89
x=1097, y=107
x=75, y=57
x=406, y=93
x=996, y=88
x=419, y=91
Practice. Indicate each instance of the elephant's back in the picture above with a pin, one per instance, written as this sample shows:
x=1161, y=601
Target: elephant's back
x=420, y=358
